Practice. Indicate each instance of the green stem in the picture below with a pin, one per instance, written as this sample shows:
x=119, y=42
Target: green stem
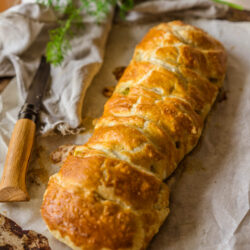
x=232, y=5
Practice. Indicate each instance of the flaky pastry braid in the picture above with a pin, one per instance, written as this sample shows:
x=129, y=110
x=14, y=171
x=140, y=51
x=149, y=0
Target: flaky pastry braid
x=110, y=193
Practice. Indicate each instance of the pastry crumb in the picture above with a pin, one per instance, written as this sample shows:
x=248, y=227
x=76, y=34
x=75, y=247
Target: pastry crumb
x=118, y=72
x=222, y=96
x=61, y=153
x=108, y=91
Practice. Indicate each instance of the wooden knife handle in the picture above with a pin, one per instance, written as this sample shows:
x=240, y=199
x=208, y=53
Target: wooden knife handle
x=12, y=185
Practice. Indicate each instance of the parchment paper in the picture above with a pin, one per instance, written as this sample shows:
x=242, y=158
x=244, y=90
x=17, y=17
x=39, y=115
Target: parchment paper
x=210, y=191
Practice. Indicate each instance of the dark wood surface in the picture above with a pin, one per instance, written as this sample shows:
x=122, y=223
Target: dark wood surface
x=233, y=15
x=238, y=15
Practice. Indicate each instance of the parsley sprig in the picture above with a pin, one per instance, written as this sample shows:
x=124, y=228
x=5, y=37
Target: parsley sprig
x=59, y=43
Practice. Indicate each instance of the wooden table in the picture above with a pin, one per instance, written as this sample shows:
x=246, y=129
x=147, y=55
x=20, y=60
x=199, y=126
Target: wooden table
x=238, y=15
x=232, y=15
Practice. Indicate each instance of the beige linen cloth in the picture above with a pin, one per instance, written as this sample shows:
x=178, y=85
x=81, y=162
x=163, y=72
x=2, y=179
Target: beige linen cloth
x=210, y=202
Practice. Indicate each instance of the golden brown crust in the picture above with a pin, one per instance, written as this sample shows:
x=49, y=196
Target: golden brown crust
x=79, y=203
x=109, y=194
x=87, y=220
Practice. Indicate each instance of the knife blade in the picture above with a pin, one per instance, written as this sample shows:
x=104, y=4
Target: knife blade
x=13, y=181
x=36, y=91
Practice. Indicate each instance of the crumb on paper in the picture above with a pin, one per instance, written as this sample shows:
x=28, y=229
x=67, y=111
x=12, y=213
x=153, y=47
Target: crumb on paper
x=222, y=96
x=61, y=153
x=118, y=72
x=108, y=91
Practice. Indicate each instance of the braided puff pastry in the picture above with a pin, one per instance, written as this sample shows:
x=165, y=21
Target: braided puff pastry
x=110, y=194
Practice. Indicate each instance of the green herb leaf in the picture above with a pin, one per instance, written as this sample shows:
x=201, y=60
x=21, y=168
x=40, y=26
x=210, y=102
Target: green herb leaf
x=59, y=44
x=125, y=91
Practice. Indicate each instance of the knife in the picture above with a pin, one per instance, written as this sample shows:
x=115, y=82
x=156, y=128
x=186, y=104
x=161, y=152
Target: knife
x=13, y=185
